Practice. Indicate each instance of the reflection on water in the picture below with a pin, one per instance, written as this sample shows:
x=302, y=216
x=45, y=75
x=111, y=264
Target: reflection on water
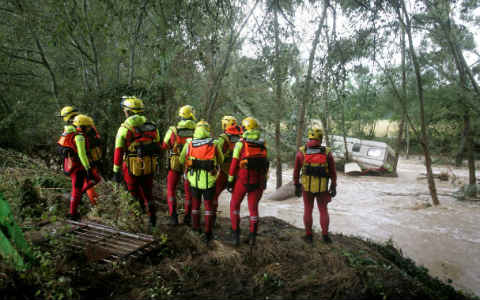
x=445, y=239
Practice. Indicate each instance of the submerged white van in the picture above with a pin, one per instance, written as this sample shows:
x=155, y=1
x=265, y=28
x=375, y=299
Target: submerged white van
x=369, y=155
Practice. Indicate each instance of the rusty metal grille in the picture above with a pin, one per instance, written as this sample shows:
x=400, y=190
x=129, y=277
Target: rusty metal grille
x=103, y=243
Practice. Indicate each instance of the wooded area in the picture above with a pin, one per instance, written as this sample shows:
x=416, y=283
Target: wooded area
x=358, y=62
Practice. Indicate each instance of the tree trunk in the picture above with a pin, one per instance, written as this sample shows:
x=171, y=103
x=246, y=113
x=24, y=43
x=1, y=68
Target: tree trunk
x=324, y=116
x=472, y=180
x=278, y=96
x=402, y=103
x=426, y=149
x=93, y=45
x=213, y=93
x=463, y=72
x=461, y=148
x=134, y=41
x=307, y=90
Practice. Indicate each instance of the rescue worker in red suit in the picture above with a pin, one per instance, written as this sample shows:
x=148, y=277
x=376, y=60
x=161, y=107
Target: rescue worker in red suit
x=174, y=140
x=68, y=113
x=202, y=158
x=317, y=168
x=137, y=146
x=74, y=148
x=251, y=161
x=225, y=141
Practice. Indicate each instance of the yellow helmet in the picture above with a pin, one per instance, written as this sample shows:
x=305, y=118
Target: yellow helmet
x=186, y=112
x=132, y=104
x=68, y=112
x=203, y=124
x=83, y=120
x=315, y=133
x=250, y=123
x=228, y=121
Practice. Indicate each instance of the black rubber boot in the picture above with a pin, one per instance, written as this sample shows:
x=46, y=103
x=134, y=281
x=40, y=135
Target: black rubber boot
x=142, y=205
x=214, y=221
x=252, y=238
x=236, y=237
x=326, y=239
x=153, y=220
x=75, y=217
x=187, y=220
x=207, y=237
x=173, y=219
x=308, y=238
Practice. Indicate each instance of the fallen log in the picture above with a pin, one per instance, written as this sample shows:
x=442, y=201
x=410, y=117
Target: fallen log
x=285, y=192
x=443, y=176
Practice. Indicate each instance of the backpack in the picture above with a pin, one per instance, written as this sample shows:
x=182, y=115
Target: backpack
x=68, y=152
x=142, y=149
x=255, y=155
x=201, y=155
x=181, y=136
x=315, y=172
x=95, y=152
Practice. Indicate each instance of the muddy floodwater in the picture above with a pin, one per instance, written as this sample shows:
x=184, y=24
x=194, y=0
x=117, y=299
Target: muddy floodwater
x=445, y=239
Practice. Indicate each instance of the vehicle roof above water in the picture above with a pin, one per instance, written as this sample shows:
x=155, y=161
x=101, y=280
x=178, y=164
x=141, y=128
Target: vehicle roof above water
x=339, y=139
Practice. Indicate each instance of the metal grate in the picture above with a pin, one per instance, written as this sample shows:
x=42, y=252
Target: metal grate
x=108, y=244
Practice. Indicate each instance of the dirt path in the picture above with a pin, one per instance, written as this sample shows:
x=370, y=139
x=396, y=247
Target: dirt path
x=444, y=239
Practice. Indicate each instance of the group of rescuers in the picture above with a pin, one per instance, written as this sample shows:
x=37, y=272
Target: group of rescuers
x=237, y=161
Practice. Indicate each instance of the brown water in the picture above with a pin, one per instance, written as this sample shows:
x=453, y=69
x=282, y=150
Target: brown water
x=445, y=239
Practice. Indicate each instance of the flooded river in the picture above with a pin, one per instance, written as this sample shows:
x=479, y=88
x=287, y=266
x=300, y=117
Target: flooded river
x=445, y=239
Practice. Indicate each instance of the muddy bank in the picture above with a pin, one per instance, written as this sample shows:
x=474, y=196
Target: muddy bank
x=444, y=239
x=281, y=266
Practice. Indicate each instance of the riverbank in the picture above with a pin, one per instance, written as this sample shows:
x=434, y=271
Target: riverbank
x=280, y=266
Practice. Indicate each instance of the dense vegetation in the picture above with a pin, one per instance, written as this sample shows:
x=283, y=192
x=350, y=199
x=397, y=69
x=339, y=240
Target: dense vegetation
x=346, y=64
x=338, y=68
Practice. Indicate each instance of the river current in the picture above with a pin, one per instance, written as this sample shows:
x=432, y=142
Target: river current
x=444, y=238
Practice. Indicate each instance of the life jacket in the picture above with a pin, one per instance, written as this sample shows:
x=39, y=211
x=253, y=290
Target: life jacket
x=315, y=171
x=68, y=152
x=141, y=149
x=254, y=158
x=254, y=155
x=95, y=152
x=181, y=135
x=228, y=146
x=201, y=155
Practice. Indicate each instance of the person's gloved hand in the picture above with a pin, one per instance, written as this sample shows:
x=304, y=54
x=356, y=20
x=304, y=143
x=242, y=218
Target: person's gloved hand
x=333, y=190
x=230, y=185
x=298, y=190
x=117, y=177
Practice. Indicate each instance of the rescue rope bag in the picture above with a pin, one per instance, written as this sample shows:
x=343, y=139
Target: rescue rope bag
x=142, y=150
x=181, y=136
x=68, y=152
x=315, y=173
